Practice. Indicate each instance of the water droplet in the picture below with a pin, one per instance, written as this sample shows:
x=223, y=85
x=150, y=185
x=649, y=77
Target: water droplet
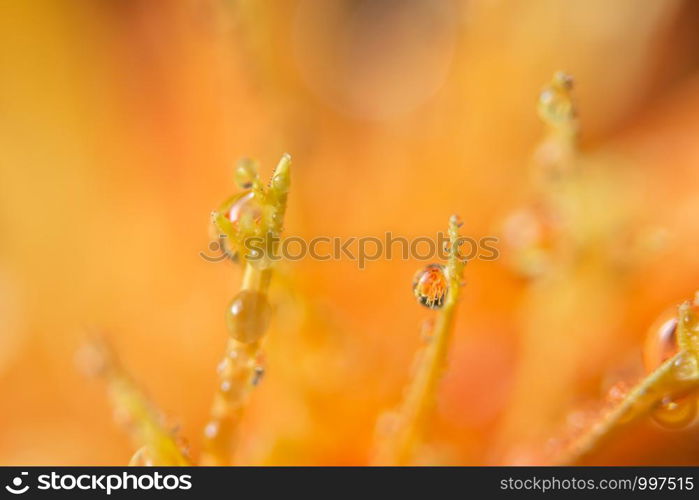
x=244, y=206
x=675, y=414
x=430, y=286
x=686, y=367
x=691, y=323
x=661, y=342
x=245, y=173
x=248, y=316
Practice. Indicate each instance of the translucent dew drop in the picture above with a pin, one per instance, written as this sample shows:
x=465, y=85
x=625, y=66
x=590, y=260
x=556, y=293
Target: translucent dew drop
x=247, y=316
x=245, y=173
x=430, y=286
x=691, y=325
x=244, y=206
x=244, y=213
x=686, y=367
x=661, y=342
x=675, y=414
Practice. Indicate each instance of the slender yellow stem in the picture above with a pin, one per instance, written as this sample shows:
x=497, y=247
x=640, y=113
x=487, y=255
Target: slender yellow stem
x=240, y=370
x=663, y=383
x=237, y=372
x=398, y=447
x=676, y=378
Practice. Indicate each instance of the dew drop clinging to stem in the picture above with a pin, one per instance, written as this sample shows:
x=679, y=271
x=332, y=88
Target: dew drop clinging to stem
x=247, y=316
x=430, y=286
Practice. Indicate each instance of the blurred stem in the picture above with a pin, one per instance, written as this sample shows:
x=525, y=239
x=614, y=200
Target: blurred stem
x=676, y=378
x=399, y=446
x=559, y=286
x=648, y=394
x=134, y=409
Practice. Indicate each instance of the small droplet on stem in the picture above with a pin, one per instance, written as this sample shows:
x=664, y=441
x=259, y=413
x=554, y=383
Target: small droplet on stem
x=661, y=342
x=430, y=286
x=248, y=316
x=675, y=414
x=244, y=206
x=245, y=173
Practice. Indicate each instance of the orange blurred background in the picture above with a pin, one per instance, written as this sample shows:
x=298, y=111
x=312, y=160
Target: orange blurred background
x=119, y=126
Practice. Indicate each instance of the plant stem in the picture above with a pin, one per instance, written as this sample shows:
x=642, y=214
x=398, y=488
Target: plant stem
x=239, y=371
x=398, y=448
x=236, y=380
x=664, y=382
x=134, y=410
